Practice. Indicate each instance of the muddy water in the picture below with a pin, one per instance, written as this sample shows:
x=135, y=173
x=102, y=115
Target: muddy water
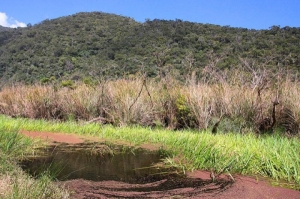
x=96, y=162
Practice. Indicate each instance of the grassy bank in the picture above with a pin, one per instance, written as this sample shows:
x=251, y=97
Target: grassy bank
x=270, y=156
x=15, y=183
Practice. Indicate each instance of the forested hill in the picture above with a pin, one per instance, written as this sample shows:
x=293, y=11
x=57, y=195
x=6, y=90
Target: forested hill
x=4, y=28
x=90, y=45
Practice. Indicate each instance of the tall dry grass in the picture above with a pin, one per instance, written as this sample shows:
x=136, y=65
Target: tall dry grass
x=153, y=103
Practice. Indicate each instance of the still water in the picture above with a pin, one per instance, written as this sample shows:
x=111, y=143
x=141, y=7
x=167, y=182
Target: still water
x=92, y=162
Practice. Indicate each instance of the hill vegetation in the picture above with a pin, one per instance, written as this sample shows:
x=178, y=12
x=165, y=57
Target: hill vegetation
x=93, y=45
x=4, y=28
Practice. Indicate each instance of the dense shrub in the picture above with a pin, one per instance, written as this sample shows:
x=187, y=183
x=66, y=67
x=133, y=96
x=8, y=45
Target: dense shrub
x=175, y=106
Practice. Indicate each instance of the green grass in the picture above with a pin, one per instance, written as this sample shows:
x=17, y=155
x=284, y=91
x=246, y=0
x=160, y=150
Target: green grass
x=271, y=156
x=15, y=183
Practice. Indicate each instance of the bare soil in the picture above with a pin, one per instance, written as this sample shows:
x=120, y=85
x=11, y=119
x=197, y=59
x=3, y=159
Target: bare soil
x=196, y=185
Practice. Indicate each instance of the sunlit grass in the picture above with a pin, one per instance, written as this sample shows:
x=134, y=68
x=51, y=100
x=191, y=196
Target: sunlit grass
x=267, y=156
x=15, y=183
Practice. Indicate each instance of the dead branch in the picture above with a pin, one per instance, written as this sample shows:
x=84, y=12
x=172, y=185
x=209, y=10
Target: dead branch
x=101, y=120
x=135, y=100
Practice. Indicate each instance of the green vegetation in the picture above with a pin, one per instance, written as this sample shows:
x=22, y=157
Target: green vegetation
x=273, y=156
x=4, y=28
x=237, y=106
x=15, y=183
x=96, y=45
x=161, y=75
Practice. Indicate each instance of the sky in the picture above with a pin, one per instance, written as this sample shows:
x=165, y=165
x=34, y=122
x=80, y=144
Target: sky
x=251, y=14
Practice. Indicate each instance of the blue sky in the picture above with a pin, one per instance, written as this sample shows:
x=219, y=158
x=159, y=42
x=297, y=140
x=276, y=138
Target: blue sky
x=252, y=14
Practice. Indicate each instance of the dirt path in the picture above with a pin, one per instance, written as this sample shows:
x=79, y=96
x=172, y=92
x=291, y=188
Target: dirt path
x=244, y=187
x=197, y=185
x=55, y=137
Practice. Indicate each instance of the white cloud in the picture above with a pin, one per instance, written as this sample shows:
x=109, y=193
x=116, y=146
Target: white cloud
x=9, y=21
x=3, y=19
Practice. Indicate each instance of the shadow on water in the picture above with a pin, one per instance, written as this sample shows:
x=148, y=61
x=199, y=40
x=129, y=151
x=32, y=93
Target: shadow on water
x=96, y=162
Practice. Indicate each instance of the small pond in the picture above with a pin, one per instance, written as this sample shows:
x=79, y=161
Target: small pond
x=96, y=162
x=103, y=170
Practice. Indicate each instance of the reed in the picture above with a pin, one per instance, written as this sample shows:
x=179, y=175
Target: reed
x=197, y=105
x=15, y=183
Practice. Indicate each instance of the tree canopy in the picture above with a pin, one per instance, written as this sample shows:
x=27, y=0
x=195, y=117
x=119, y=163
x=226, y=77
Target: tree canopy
x=98, y=44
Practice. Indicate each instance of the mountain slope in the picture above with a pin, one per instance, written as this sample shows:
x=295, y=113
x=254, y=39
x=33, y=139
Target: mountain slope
x=97, y=44
x=4, y=28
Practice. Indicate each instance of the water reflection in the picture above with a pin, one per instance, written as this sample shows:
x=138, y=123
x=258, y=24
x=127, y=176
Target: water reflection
x=71, y=162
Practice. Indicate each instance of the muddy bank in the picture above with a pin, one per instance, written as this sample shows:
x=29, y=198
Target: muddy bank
x=196, y=185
